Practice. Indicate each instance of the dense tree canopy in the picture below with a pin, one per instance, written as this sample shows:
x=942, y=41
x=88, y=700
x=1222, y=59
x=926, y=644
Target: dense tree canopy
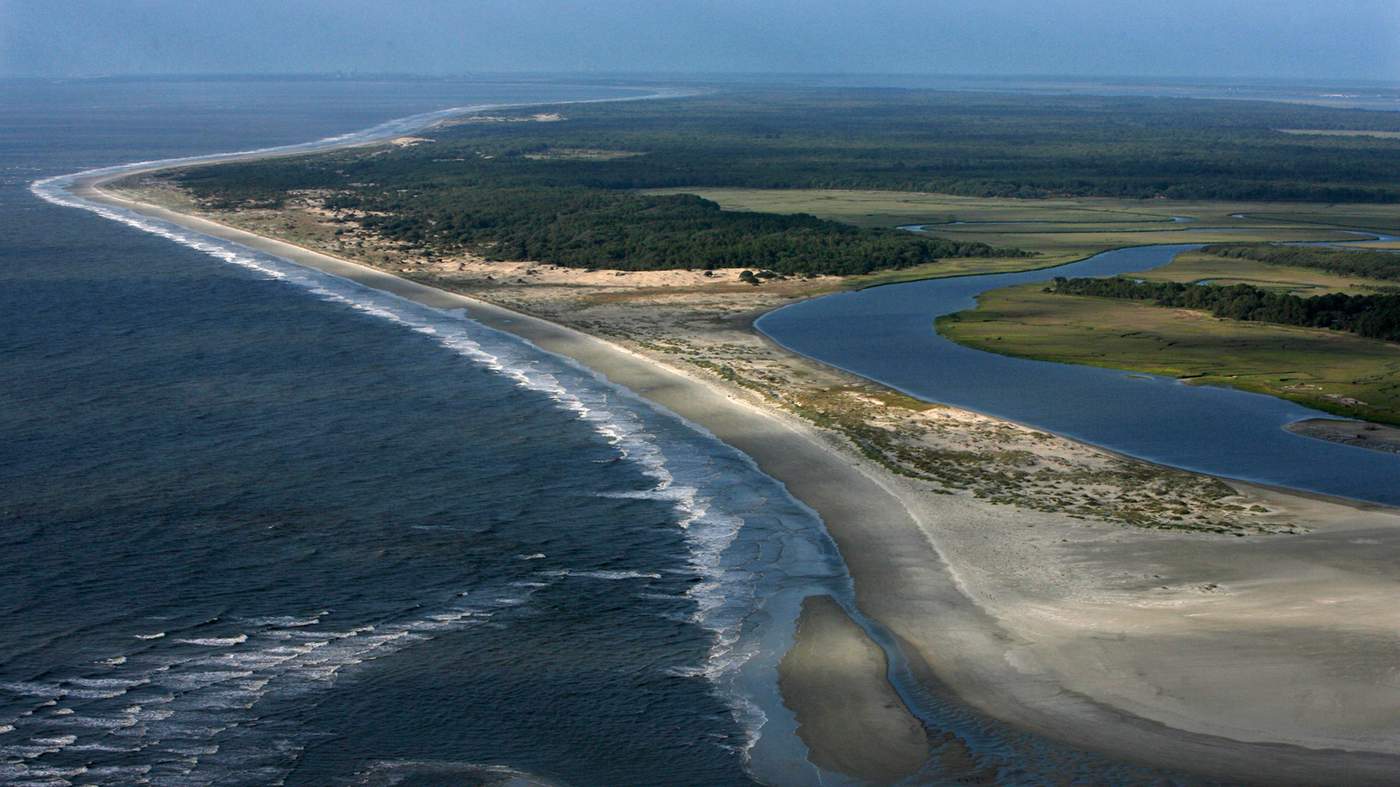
x=565, y=191
x=612, y=229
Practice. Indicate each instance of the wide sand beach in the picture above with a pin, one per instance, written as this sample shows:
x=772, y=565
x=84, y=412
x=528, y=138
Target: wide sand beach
x=1266, y=655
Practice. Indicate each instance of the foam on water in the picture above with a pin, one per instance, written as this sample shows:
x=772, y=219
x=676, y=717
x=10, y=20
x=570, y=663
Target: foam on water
x=216, y=642
x=200, y=697
x=383, y=774
x=605, y=575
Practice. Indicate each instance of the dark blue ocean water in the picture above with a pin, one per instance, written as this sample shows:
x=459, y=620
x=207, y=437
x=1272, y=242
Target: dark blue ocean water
x=259, y=524
x=887, y=334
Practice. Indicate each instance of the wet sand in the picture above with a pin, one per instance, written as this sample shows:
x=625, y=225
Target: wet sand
x=1376, y=437
x=834, y=660
x=1048, y=622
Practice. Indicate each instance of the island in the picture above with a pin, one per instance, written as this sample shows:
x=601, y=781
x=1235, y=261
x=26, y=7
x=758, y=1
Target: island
x=1319, y=326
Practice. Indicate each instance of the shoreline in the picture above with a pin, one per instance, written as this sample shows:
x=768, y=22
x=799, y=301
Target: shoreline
x=1324, y=429
x=887, y=538
x=1354, y=432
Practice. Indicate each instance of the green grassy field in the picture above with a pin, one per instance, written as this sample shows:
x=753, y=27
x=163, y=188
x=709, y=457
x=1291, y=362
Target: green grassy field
x=1331, y=371
x=1057, y=230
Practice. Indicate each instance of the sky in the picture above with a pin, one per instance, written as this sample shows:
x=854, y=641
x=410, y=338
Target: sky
x=1284, y=39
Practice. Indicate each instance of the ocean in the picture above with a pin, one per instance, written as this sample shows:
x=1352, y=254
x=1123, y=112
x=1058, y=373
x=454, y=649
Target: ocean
x=262, y=525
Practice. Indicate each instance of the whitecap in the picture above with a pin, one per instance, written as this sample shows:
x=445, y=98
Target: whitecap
x=100, y=722
x=608, y=575
x=193, y=750
x=288, y=621
x=198, y=680
x=216, y=642
x=94, y=694
x=105, y=683
x=26, y=688
x=119, y=772
x=53, y=772
x=105, y=748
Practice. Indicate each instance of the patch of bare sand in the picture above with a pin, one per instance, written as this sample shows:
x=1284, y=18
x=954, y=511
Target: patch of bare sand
x=1289, y=639
x=1376, y=437
x=831, y=658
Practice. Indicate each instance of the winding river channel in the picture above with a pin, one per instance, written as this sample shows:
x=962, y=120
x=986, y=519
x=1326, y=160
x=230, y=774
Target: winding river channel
x=886, y=334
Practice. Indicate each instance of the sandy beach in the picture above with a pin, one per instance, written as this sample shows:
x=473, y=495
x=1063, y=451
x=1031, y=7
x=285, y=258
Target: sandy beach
x=1251, y=639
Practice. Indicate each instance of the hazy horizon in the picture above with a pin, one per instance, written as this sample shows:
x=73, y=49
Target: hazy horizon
x=1192, y=39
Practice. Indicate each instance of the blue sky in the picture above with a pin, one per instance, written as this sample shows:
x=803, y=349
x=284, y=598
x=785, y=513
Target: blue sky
x=1288, y=39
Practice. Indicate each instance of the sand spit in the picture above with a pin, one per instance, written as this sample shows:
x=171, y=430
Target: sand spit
x=1376, y=437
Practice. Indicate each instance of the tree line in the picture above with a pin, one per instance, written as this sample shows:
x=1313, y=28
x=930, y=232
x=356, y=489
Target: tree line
x=593, y=228
x=958, y=143
x=1371, y=316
